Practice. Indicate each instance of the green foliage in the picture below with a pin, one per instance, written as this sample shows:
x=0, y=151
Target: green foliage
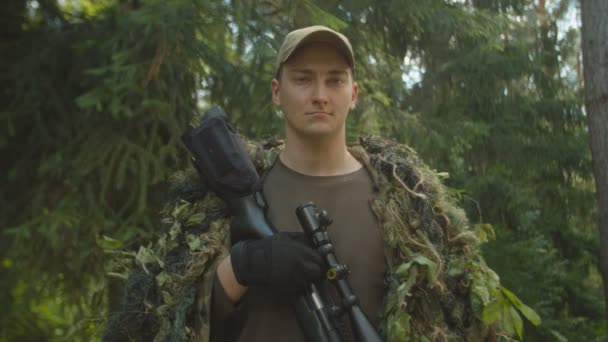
x=99, y=92
x=94, y=113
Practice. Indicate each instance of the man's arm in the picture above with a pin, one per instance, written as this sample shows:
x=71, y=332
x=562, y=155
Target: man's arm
x=227, y=279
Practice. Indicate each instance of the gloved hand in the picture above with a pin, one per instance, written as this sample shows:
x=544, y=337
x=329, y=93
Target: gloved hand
x=284, y=262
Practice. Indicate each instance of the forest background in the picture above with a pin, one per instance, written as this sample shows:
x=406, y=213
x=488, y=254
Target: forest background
x=98, y=92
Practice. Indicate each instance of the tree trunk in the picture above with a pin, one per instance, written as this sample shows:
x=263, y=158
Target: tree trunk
x=595, y=64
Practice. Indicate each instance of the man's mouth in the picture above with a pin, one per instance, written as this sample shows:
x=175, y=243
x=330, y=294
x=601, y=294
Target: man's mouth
x=318, y=113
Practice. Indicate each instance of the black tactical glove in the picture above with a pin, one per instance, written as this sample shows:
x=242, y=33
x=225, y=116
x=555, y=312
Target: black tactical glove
x=284, y=262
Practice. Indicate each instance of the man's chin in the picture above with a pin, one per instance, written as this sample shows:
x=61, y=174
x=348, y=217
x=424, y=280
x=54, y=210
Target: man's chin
x=320, y=132
x=316, y=130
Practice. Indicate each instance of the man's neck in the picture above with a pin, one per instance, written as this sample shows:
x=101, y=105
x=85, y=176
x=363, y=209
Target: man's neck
x=316, y=156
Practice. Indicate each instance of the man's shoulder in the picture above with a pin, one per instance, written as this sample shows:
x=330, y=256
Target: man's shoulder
x=391, y=163
x=375, y=144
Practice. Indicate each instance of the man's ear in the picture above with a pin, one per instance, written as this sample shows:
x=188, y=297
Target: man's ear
x=275, y=90
x=353, y=100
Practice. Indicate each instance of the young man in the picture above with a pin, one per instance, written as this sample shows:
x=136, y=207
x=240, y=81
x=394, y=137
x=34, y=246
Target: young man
x=414, y=262
x=315, y=89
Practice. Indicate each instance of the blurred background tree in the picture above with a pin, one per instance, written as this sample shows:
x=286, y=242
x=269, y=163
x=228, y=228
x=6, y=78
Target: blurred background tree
x=97, y=93
x=595, y=52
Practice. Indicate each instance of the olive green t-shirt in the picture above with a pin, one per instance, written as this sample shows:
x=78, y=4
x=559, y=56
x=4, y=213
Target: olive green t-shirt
x=263, y=315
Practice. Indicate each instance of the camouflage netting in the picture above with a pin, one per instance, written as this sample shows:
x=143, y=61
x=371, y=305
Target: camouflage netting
x=434, y=254
x=159, y=295
x=439, y=287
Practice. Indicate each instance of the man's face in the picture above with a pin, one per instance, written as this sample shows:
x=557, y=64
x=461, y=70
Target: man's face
x=316, y=91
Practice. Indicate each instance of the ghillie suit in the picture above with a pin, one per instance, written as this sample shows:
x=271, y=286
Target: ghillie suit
x=438, y=287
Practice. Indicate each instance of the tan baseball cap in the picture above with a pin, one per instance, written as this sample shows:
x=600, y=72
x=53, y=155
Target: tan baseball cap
x=310, y=34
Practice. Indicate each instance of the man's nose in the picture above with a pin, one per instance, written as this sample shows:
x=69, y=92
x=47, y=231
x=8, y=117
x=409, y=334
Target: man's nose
x=319, y=94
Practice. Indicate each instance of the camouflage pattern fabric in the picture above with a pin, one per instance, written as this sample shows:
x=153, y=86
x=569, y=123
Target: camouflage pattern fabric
x=438, y=287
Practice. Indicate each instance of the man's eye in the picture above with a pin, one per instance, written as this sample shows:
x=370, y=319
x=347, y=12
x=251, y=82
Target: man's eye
x=337, y=81
x=301, y=79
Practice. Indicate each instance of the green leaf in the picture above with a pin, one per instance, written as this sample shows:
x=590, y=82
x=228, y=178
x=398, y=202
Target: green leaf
x=162, y=242
x=155, y=104
x=108, y=243
x=146, y=256
x=390, y=305
x=528, y=312
x=404, y=289
x=517, y=322
x=431, y=272
x=162, y=278
x=492, y=281
x=480, y=296
x=89, y=99
x=477, y=305
x=117, y=275
x=175, y=230
x=484, y=232
x=457, y=266
x=196, y=219
x=179, y=209
x=403, y=269
x=318, y=15
x=97, y=71
x=399, y=326
x=491, y=312
x=558, y=336
x=382, y=98
x=443, y=175
x=507, y=322
x=430, y=266
x=167, y=298
x=194, y=242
